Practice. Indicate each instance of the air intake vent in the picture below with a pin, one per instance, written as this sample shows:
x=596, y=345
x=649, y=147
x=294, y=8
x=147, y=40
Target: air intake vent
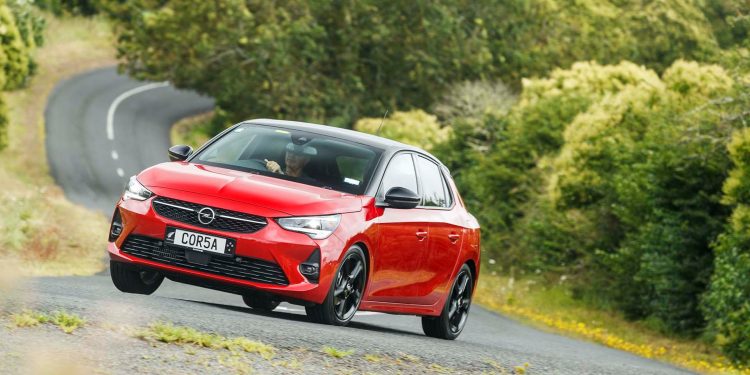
x=244, y=268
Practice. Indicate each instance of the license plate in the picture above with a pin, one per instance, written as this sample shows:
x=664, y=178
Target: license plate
x=200, y=241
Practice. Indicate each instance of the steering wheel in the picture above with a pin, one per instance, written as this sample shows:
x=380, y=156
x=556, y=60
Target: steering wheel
x=255, y=164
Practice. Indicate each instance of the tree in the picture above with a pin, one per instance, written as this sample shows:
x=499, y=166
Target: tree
x=322, y=61
x=416, y=128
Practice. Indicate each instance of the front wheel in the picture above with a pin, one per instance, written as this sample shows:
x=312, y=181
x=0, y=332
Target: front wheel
x=453, y=318
x=130, y=280
x=345, y=293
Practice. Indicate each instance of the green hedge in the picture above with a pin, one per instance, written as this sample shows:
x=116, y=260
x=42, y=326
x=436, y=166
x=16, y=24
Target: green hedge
x=727, y=303
x=21, y=32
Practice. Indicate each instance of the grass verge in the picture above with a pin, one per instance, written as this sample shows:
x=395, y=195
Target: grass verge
x=337, y=353
x=171, y=334
x=67, y=322
x=40, y=231
x=553, y=308
x=193, y=131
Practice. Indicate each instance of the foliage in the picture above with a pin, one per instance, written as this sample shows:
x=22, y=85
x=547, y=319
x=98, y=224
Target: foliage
x=77, y=7
x=472, y=100
x=726, y=304
x=531, y=38
x=30, y=24
x=20, y=32
x=506, y=149
x=321, y=61
x=181, y=335
x=337, y=62
x=613, y=174
x=416, y=128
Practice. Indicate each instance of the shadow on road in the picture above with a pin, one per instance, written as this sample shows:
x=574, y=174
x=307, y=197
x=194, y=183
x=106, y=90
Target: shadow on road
x=298, y=317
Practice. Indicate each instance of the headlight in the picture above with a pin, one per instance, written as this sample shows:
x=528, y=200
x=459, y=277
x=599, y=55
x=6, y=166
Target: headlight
x=317, y=227
x=134, y=190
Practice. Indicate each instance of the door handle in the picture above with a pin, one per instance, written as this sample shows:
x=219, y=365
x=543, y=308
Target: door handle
x=421, y=235
x=454, y=237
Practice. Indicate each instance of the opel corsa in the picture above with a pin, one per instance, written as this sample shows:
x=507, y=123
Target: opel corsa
x=334, y=220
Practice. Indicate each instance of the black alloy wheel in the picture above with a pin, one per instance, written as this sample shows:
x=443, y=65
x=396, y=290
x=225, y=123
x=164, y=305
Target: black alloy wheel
x=346, y=291
x=453, y=318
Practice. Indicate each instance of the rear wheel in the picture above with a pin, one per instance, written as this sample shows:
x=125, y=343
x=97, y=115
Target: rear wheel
x=453, y=318
x=261, y=302
x=131, y=280
x=345, y=293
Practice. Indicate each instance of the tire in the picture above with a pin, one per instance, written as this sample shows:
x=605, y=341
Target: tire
x=261, y=302
x=345, y=293
x=131, y=280
x=448, y=325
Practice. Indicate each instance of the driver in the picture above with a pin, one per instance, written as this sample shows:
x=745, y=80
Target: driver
x=297, y=157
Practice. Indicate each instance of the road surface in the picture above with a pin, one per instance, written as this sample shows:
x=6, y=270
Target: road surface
x=103, y=127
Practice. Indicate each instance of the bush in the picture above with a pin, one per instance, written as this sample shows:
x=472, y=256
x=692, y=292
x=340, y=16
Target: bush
x=611, y=174
x=82, y=7
x=21, y=33
x=631, y=160
x=416, y=128
x=506, y=149
x=726, y=302
x=472, y=100
x=14, y=58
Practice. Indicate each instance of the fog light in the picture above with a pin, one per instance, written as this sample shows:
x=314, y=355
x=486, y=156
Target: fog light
x=308, y=269
x=115, y=230
x=311, y=267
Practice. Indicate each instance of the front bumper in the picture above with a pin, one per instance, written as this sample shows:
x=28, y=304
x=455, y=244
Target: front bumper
x=270, y=245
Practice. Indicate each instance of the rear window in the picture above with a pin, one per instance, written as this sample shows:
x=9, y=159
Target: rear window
x=434, y=191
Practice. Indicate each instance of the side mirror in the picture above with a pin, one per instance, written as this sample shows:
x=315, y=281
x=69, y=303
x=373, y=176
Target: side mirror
x=179, y=152
x=398, y=197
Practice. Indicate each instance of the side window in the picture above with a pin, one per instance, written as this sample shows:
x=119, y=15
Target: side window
x=434, y=190
x=400, y=173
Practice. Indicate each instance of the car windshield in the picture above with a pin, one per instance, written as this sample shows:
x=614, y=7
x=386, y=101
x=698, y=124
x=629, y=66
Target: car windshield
x=305, y=157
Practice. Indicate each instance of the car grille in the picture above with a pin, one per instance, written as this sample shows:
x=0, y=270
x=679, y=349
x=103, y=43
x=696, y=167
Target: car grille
x=250, y=269
x=225, y=220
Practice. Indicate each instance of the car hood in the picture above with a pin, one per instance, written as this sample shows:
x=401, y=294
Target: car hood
x=285, y=197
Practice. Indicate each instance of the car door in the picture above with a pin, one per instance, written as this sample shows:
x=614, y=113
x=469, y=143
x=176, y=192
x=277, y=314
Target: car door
x=444, y=226
x=402, y=240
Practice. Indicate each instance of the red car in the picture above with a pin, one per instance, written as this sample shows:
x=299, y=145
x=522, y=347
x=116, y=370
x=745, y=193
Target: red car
x=331, y=219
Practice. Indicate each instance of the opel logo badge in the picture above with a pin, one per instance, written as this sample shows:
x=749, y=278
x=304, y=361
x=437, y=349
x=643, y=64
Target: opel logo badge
x=206, y=215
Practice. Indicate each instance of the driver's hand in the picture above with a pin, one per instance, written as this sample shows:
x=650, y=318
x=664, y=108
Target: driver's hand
x=272, y=166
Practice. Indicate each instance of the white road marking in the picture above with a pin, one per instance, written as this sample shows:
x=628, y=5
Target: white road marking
x=120, y=172
x=114, y=155
x=121, y=98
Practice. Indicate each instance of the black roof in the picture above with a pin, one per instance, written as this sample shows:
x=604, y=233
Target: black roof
x=347, y=134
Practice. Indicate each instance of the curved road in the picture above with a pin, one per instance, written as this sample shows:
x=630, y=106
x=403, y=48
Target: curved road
x=91, y=158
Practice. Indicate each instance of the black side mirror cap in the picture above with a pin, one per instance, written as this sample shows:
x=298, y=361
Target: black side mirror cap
x=399, y=197
x=179, y=152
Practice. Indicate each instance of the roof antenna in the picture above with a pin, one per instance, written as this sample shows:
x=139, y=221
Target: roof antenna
x=381, y=122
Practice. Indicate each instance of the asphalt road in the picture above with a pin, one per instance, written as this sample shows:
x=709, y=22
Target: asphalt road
x=91, y=158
